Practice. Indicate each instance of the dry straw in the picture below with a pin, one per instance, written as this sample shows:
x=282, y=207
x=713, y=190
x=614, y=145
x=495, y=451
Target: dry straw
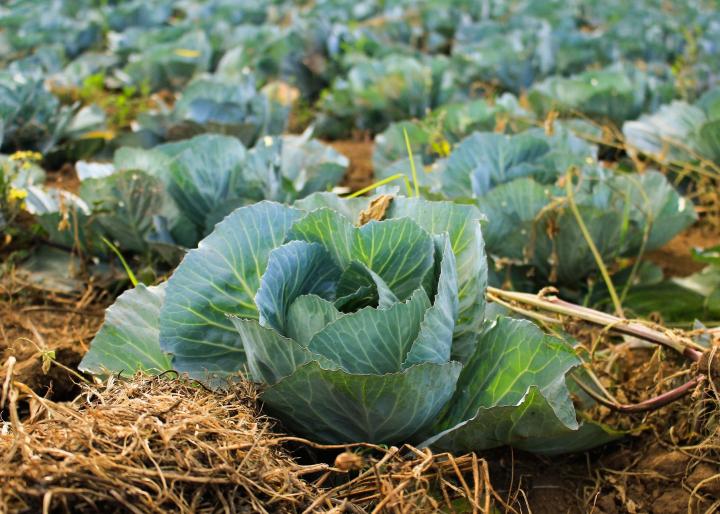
x=168, y=445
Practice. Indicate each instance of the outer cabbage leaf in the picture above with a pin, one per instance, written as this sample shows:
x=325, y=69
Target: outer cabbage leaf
x=657, y=205
x=513, y=210
x=220, y=277
x=678, y=300
x=206, y=173
x=338, y=407
x=679, y=131
x=484, y=160
x=128, y=341
x=667, y=132
x=123, y=205
x=513, y=391
x=270, y=355
x=709, y=139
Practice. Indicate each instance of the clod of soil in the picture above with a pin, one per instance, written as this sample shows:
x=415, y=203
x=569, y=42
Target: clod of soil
x=706, y=479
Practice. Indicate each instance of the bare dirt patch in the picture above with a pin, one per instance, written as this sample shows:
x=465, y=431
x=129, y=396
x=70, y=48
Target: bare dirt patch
x=360, y=172
x=675, y=258
x=38, y=327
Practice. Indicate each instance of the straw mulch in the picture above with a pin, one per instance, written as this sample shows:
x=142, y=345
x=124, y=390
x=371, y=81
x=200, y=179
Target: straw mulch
x=169, y=445
x=148, y=445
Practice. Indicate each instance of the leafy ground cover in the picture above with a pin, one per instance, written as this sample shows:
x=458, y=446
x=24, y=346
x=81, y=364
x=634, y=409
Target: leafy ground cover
x=465, y=255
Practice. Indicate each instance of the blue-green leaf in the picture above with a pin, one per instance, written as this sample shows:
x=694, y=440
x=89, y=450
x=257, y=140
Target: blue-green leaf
x=307, y=316
x=328, y=228
x=129, y=339
x=462, y=224
x=484, y=160
x=399, y=251
x=337, y=407
x=513, y=391
x=373, y=340
x=220, y=277
x=514, y=208
x=530, y=425
x=361, y=284
x=206, y=173
x=294, y=269
x=124, y=204
x=434, y=341
x=270, y=356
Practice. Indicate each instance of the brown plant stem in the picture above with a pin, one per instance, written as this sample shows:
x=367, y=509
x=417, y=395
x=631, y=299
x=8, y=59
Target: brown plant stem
x=612, y=323
x=646, y=405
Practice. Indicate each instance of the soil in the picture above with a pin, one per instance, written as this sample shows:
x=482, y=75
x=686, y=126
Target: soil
x=360, y=172
x=675, y=258
x=64, y=178
x=36, y=326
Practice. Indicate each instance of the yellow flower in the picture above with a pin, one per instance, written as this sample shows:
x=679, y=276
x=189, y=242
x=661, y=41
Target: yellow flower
x=17, y=194
x=26, y=155
x=16, y=197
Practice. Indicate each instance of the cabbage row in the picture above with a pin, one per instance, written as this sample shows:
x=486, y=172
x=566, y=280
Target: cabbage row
x=364, y=64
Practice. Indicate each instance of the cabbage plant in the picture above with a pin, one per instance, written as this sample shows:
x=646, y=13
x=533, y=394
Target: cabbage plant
x=679, y=131
x=616, y=93
x=378, y=92
x=168, y=198
x=515, y=180
x=354, y=332
x=30, y=116
x=211, y=105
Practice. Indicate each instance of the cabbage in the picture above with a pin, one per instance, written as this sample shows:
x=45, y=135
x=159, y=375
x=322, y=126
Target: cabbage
x=356, y=333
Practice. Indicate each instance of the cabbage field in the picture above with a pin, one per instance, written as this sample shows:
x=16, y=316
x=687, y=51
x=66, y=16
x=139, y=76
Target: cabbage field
x=382, y=256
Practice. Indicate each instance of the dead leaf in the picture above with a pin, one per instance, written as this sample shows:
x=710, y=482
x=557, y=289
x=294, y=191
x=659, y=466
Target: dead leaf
x=376, y=210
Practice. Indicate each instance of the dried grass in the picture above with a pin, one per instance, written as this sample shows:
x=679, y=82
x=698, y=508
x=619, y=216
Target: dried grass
x=168, y=445
x=37, y=325
x=146, y=445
